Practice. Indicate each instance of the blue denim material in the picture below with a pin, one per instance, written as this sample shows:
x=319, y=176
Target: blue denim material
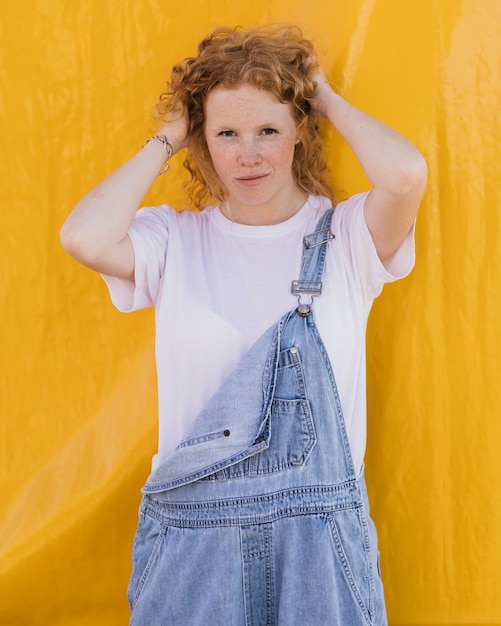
x=258, y=517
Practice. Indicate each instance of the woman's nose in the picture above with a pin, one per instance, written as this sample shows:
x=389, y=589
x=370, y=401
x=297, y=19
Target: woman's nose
x=249, y=153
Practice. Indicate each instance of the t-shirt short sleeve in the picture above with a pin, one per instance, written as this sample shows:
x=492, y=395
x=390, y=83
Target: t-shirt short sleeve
x=149, y=236
x=349, y=222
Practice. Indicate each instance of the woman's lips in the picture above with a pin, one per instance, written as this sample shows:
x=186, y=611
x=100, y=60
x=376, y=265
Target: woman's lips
x=251, y=181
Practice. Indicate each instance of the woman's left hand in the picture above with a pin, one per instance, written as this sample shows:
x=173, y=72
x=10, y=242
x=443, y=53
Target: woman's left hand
x=324, y=94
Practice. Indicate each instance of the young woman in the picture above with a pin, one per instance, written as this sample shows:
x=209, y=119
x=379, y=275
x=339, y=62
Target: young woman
x=256, y=510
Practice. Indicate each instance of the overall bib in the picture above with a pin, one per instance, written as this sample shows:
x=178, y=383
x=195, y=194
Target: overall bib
x=258, y=518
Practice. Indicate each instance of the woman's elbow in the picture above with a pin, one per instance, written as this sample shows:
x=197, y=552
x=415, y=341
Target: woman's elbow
x=67, y=238
x=412, y=176
x=74, y=243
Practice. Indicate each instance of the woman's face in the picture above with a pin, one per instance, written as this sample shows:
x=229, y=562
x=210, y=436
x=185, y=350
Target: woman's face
x=251, y=138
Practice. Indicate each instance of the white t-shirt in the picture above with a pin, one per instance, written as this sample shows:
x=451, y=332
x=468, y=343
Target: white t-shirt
x=217, y=286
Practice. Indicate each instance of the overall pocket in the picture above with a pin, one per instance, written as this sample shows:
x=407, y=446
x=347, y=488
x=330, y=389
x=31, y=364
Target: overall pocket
x=351, y=544
x=289, y=431
x=149, y=536
x=292, y=438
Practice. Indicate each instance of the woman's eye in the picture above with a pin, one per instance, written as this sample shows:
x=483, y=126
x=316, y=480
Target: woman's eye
x=226, y=133
x=269, y=131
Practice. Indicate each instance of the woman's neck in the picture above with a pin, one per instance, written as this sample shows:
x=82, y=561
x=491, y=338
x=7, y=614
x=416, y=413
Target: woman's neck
x=275, y=211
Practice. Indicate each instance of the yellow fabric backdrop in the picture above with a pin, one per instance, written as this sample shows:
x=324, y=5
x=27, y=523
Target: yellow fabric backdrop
x=77, y=386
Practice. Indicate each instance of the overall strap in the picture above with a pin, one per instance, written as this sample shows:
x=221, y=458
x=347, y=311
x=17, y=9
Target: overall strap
x=312, y=264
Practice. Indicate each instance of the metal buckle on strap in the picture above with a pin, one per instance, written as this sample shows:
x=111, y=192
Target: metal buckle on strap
x=310, y=288
x=306, y=287
x=306, y=240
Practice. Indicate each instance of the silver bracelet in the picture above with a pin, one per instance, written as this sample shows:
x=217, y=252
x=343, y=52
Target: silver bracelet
x=168, y=149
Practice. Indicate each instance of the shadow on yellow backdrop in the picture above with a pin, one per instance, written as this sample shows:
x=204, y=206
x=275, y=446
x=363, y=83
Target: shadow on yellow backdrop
x=78, y=428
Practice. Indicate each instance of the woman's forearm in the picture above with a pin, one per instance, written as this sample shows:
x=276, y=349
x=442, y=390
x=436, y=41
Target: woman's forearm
x=394, y=167
x=95, y=231
x=102, y=217
x=389, y=160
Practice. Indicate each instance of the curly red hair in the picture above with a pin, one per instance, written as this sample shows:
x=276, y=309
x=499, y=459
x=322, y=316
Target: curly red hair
x=275, y=58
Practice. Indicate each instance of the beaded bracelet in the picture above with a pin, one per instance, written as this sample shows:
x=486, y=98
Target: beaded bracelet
x=168, y=149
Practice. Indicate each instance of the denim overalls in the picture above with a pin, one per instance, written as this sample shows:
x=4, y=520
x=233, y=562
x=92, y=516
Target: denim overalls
x=258, y=518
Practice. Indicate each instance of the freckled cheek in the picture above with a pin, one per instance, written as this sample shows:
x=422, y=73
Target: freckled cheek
x=222, y=160
x=284, y=155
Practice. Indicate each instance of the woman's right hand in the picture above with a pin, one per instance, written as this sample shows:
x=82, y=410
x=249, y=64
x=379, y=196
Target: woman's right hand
x=176, y=129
